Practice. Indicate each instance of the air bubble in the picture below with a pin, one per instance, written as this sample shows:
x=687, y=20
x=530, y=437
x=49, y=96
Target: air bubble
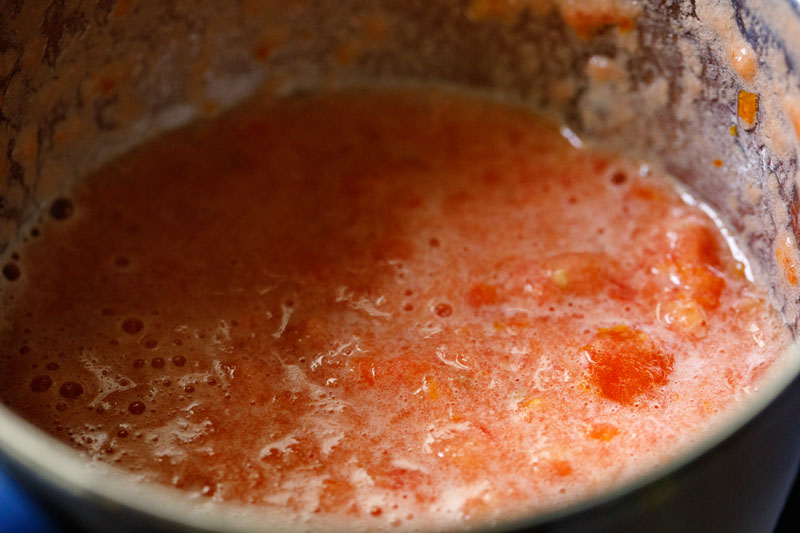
x=11, y=272
x=53, y=366
x=41, y=383
x=136, y=407
x=71, y=390
x=179, y=360
x=132, y=326
x=138, y=363
x=443, y=310
x=150, y=343
x=61, y=209
x=618, y=178
x=158, y=362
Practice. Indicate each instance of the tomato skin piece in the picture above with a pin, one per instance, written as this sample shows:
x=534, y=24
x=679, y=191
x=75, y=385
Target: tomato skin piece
x=685, y=315
x=560, y=277
x=585, y=274
x=704, y=285
x=693, y=244
x=690, y=282
x=625, y=363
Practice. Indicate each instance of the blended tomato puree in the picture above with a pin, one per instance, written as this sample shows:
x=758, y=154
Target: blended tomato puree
x=404, y=307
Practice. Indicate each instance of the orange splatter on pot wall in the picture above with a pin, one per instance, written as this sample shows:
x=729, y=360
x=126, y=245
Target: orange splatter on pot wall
x=121, y=8
x=587, y=22
x=794, y=116
x=744, y=62
x=585, y=19
x=747, y=108
x=785, y=254
x=268, y=43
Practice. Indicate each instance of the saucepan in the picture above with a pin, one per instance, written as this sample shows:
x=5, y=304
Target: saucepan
x=680, y=84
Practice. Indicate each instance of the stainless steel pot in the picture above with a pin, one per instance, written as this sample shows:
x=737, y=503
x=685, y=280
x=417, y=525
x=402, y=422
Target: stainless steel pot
x=82, y=81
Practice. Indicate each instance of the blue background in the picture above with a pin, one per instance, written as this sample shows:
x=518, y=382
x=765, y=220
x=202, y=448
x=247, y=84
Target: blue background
x=19, y=513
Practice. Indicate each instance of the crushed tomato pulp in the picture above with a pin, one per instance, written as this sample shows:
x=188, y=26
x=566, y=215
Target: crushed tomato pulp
x=402, y=307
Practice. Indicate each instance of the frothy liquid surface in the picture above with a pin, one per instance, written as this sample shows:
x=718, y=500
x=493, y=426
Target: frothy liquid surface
x=401, y=307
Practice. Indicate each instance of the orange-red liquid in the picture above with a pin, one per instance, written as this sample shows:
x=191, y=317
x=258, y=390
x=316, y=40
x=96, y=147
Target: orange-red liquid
x=393, y=305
